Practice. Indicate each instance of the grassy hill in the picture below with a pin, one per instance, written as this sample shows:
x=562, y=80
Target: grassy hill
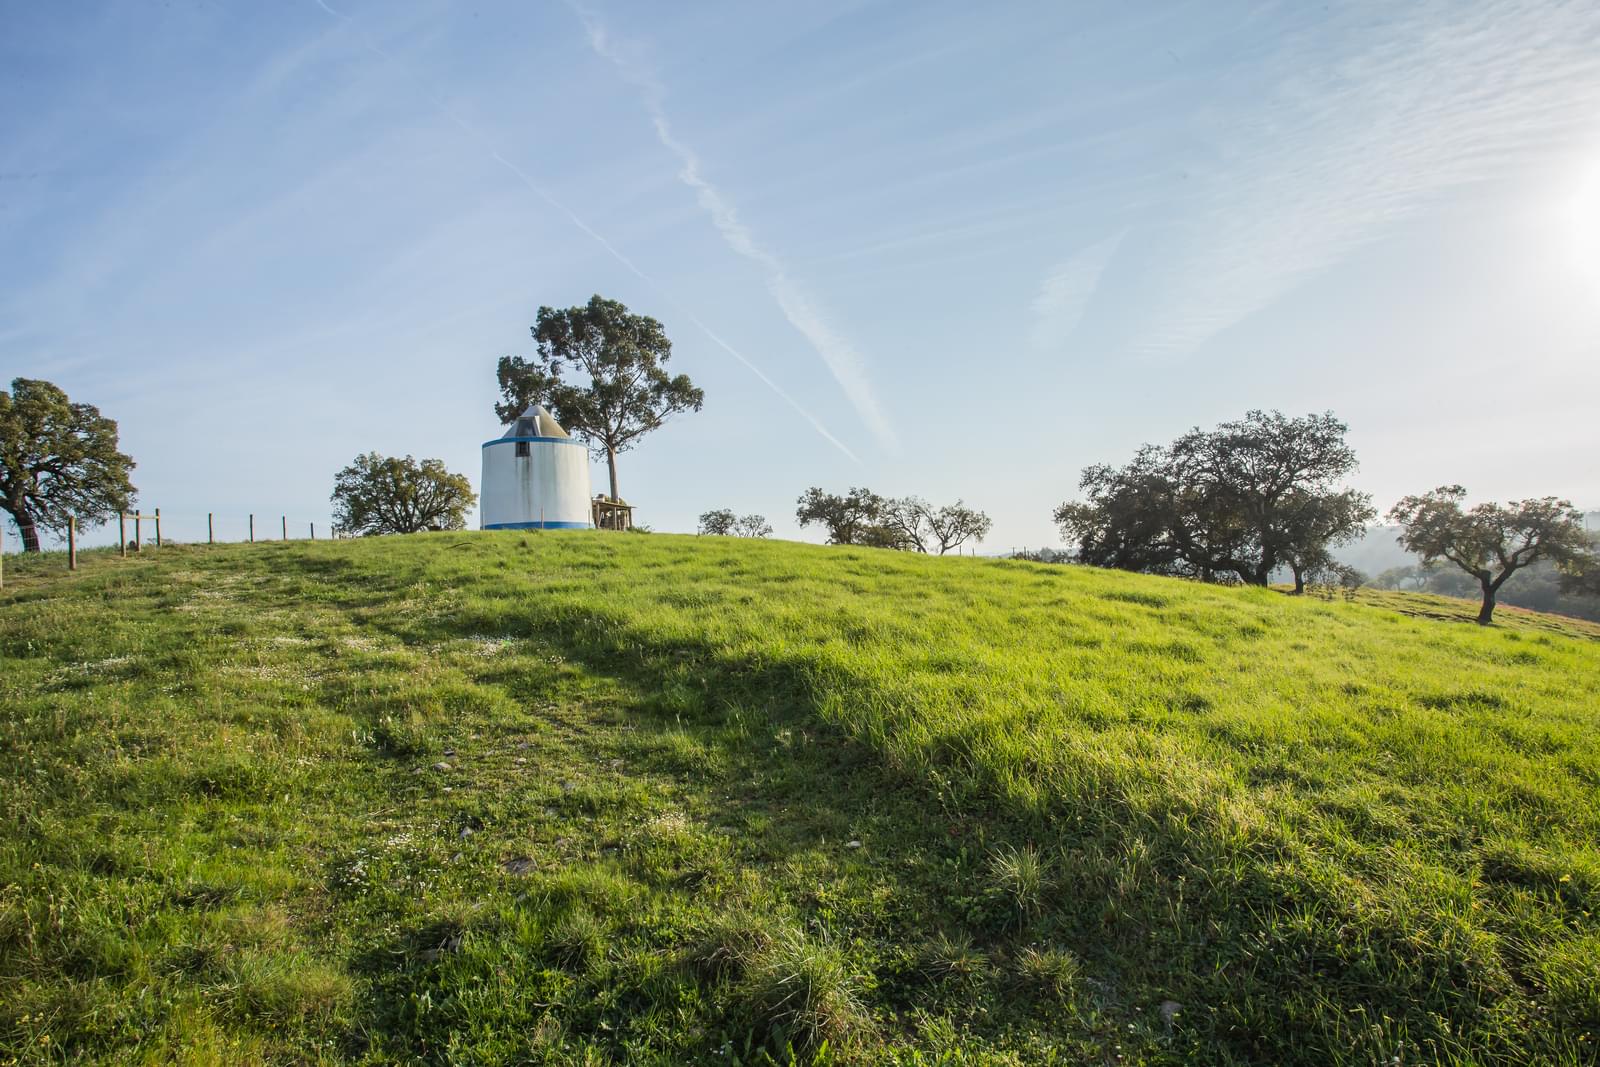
x=579, y=798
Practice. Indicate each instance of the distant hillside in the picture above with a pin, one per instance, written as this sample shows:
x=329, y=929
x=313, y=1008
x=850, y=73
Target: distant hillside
x=614, y=798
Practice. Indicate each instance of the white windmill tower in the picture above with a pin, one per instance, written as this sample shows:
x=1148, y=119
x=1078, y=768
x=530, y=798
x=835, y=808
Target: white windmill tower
x=535, y=477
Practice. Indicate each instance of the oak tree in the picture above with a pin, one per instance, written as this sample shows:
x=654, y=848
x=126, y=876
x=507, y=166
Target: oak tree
x=855, y=518
x=58, y=460
x=385, y=494
x=1491, y=542
x=1238, y=501
x=718, y=522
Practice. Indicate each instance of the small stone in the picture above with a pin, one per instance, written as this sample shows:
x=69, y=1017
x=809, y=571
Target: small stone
x=449, y=752
x=567, y=787
x=616, y=765
x=521, y=760
x=852, y=844
x=1169, y=1011
x=466, y=832
x=520, y=865
x=441, y=766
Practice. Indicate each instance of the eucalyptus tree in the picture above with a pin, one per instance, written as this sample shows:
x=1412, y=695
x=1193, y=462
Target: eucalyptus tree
x=601, y=370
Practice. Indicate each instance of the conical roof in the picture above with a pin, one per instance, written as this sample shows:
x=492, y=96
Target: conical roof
x=535, y=422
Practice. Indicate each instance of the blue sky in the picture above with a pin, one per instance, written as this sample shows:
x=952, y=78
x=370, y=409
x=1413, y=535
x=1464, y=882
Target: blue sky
x=948, y=249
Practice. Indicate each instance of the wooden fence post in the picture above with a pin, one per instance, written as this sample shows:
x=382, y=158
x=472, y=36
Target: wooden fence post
x=72, y=542
x=313, y=531
x=138, y=531
x=122, y=533
x=285, y=519
x=158, y=527
x=252, y=529
x=211, y=531
x=2, y=555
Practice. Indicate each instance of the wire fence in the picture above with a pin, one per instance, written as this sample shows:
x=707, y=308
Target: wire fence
x=138, y=531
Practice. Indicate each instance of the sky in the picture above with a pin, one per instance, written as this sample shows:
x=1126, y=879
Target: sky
x=948, y=249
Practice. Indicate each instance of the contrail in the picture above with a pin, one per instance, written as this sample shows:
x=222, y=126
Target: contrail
x=577, y=221
x=836, y=353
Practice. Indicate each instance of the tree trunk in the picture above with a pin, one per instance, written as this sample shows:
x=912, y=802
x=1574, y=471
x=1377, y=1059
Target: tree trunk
x=1299, y=581
x=611, y=462
x=1486, y=612
x=26, y=527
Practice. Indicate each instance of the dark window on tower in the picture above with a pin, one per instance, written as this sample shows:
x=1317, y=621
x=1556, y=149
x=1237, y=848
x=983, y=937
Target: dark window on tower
x=524, y=429
x=523, y=449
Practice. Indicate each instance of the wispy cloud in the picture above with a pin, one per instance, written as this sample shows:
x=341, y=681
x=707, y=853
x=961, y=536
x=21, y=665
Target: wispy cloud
x=836, y=353
x=1445, y=95
x=573, y=217
x=1065, y=293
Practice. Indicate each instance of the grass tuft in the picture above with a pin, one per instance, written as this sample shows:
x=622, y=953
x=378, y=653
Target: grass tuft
x=801, y=992
x=1049, y=972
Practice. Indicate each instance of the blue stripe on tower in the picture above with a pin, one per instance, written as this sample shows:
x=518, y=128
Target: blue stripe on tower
x=539, y=525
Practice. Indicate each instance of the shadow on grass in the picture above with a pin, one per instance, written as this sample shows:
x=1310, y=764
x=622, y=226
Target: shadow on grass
x=1272, y=955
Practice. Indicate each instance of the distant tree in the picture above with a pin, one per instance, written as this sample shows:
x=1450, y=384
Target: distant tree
x=383, y=494
x=1582, y=577
x=601, y=370
x=1316, y=523
x=753, y=526
x=853, y=519
x=911, y=523
x=1491, y=542
x=58, y=460
x=717, y=523
x=723, y=523
x=902, y=524
x=953, y=525
x=1330, y=575
x=1411, y=577
x=1242, y=499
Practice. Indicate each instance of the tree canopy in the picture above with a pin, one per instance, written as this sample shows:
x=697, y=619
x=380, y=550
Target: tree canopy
x=1238, y=501
x=917, y=523
x=58, y=460
x=1491, y=542
x=721, y=522
x=852, y=519
x=862, y=517
x=384, y=494
x=601, y=371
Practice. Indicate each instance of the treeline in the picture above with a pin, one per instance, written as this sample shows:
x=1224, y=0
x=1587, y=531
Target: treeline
x=862, y=517
x=1265, y=492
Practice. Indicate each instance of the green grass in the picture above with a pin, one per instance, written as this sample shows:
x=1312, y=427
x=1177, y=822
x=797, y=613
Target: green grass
x=588, y=798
